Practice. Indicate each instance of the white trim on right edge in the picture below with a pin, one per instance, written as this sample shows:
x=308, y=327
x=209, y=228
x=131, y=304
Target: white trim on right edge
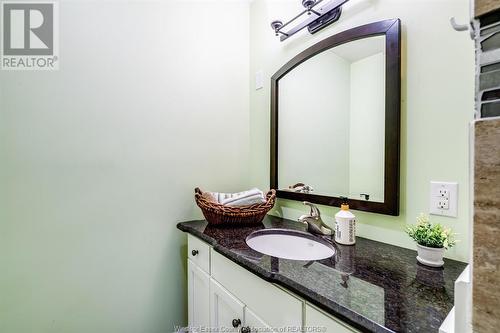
x=463, y=302
x=448, y=325
x=459, y=318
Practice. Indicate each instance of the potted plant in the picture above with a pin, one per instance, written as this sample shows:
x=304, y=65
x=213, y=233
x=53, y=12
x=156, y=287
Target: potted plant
x=432, y=240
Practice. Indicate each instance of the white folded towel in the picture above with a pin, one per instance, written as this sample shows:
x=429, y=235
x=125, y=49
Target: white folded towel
x=245, y=198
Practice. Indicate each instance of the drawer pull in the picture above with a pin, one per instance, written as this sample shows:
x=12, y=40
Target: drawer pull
x=194, y=252
x=245, y=329
x=236, y=322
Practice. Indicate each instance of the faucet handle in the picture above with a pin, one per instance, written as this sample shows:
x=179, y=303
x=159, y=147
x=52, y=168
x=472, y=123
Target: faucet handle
x=314, y=210
x=366, y=196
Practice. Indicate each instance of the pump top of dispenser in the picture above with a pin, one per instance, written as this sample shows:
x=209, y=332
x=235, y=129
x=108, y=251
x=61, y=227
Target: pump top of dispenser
x=344, y=211
x=344, y=203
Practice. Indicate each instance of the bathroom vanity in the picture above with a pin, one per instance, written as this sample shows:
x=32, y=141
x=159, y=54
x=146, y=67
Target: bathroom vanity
x=368, y=287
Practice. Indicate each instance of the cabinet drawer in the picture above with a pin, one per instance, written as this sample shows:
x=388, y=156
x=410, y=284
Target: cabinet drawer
x=315, y=318
x=276, y=307
x=199, y=253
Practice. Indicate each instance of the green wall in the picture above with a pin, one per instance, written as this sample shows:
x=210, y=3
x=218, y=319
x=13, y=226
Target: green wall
x=98, y=162
x=437, y=105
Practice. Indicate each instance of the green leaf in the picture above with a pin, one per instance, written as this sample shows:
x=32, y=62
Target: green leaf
x=426, y=234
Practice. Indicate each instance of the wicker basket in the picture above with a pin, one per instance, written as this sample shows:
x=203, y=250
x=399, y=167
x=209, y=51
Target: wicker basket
x=218, y=214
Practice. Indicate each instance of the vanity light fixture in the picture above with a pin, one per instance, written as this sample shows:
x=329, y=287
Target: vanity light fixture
x=320, y=13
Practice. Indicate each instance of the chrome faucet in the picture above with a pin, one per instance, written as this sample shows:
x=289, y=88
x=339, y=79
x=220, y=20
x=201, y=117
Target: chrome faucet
x=314, y=222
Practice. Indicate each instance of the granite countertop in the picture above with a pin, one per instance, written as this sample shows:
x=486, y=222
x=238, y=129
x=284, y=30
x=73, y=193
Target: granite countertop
x=373, y=286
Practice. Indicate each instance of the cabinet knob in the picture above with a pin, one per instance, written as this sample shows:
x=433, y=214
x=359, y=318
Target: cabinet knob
x=245, y=329
x=236, y=322
x=194, y=252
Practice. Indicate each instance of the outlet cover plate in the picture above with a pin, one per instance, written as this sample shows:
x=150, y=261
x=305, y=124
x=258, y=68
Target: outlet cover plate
x=444, y=192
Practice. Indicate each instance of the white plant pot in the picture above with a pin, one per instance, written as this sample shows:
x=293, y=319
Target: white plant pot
x=430, y=256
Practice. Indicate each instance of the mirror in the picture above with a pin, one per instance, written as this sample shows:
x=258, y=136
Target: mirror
x=332, y=109
x=335, y=121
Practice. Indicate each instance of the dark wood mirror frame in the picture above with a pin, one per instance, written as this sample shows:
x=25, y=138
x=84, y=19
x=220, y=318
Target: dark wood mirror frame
x=391, y=30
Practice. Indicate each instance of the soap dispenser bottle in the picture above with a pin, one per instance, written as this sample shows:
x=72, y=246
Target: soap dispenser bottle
x=345, y=224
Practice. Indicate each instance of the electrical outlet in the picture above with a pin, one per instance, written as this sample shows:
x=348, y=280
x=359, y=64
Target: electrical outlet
x=444, y=199
x=443, y=203
x=443, y=192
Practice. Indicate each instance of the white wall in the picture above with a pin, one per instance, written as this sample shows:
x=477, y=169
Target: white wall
x=314, y=98
x=437, y=97
x=98, y=162
x=367, y=128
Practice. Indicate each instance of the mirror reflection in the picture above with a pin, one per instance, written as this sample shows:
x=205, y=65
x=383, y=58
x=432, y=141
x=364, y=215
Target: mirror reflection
x=332, y=122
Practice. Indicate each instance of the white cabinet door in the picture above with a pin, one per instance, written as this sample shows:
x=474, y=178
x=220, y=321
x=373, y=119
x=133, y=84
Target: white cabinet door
x=226, y=311
x=254, y=324
x=318, y=320
x=198, y=297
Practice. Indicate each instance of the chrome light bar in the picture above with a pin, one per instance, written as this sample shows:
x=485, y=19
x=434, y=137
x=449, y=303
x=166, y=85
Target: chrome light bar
x=319, y=15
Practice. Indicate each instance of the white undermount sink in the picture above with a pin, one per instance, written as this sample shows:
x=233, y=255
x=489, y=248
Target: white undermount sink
x=290, y=244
